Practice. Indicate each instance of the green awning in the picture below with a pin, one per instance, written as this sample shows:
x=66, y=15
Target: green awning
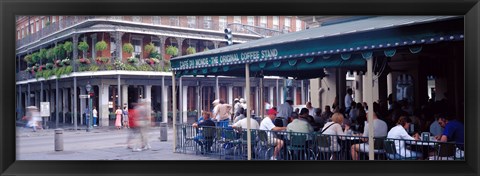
x=306, y=53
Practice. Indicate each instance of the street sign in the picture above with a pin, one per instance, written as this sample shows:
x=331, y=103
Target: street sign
x=44, y=109
x=84, y=96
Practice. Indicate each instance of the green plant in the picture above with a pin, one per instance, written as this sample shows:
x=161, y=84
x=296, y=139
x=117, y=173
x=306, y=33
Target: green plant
x=28, y=59
x=68, y=47
x=132, y=60
x=49, y=66
x=59, y=71
x=191, y=50
x=101, y=45
x=38, y=75
x=130, y=67
x=102, y=60
x=144, y=67
x=66, y=61
x=47, y=73
x=109, y=67
x=83, y=46
x=35, y=57
x=155, y=54
x=59, y=51
x=42, y=54
x=119, y=65
x=150, y=48
x=50, y=55
x=172, y=50
x=128, y=48
x=158, y=68
x=68, y=70
x=93, y=67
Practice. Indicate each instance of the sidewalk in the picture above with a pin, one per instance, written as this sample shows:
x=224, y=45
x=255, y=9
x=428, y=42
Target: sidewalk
x=102, y=143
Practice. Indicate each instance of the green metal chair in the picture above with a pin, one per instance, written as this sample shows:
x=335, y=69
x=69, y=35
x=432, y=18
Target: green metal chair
x=263, y=145
x=445, y=151
x=391, y=151
x=297, y=145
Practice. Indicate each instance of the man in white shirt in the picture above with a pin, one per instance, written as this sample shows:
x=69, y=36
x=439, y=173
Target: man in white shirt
x=267, y=124
x=311, y=110
x=243, y=124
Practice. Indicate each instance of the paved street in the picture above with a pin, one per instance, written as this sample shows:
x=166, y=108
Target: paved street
x=103, y=143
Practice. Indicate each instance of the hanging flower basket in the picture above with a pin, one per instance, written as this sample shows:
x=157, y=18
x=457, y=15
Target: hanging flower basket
x=58, y=63
x=66, y=61
x=132, y=60
x=84, y=61
x=49, y=66
x=102, y=60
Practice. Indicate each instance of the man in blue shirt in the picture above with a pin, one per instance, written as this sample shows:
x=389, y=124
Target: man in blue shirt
x=453, y=132
x=205, y=136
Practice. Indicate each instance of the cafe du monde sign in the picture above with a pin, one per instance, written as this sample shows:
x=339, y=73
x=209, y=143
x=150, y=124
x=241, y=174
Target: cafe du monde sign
x=227, y=58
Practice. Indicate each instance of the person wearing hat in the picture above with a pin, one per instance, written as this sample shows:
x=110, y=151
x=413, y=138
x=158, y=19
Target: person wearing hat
x=285, y=109
x=236, y=106
x=267, y=124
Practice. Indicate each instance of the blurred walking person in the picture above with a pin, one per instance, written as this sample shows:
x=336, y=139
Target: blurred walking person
x=34, y=119
x=118, y=120
x=142, y=122
x=134, y=130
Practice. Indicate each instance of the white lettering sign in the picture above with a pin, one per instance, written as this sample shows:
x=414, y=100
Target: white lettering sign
x=229, y=58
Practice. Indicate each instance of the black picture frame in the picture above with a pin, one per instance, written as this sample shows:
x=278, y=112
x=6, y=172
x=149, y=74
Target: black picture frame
x=8, y=10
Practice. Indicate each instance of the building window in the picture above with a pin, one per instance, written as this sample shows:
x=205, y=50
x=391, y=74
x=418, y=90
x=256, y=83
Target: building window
x=137, y=45
x=18, y=35
x=157, y=45
x=37, y=25
x=192, y=21
x=222, y=22
x=53, y=19
x=275, y=22
x=60, y=18
x=298, y=25
x=207, y=22
x=251, y=20
x=23, y=33
x=32, y=29
x=137, y=19
x=263, y=21
x=174, y=21
x=156, y=20
x=286, y=26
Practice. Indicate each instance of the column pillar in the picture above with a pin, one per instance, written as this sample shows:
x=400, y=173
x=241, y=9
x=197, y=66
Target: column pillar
x=270, y=98
x=369, y=98
x=329, y=88
x=28, y=97
x=257, y=100
x=303, y=92
x=180, y=99
x=84, y=54
x=103, y=113
x=184, y=103
x=389, y=84
x=65, y=103
x=75, y=51
x=119, y=45
x=358, y=86
x=82, y=103
x=119, y=92
x=278, y=94
x=125, y=94
x=215, y=44
x=148, y=93
x=230, y=94
x=19, y=102
x=164, y=101
x=217, y=88
x=92, y=46
x=294, y=95
x=342, y=88
x=180, y=45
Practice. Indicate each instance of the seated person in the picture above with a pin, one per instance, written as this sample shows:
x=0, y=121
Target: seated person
x=380, y=130
x=207, y=122
x=454, y=132
x=334, y=129
x=301, y=124
x=436, y=129
x=243, y=123
x=267, y=124
x=400, y=132
x=319, y=121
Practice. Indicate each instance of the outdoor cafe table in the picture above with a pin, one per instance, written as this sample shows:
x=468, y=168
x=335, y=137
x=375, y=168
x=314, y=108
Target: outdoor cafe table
x=423, y=146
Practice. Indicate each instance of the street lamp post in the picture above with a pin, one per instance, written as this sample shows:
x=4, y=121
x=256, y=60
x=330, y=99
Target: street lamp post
x=90, y=112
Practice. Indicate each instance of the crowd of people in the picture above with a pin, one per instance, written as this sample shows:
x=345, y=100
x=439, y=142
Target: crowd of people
x=391, y=119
